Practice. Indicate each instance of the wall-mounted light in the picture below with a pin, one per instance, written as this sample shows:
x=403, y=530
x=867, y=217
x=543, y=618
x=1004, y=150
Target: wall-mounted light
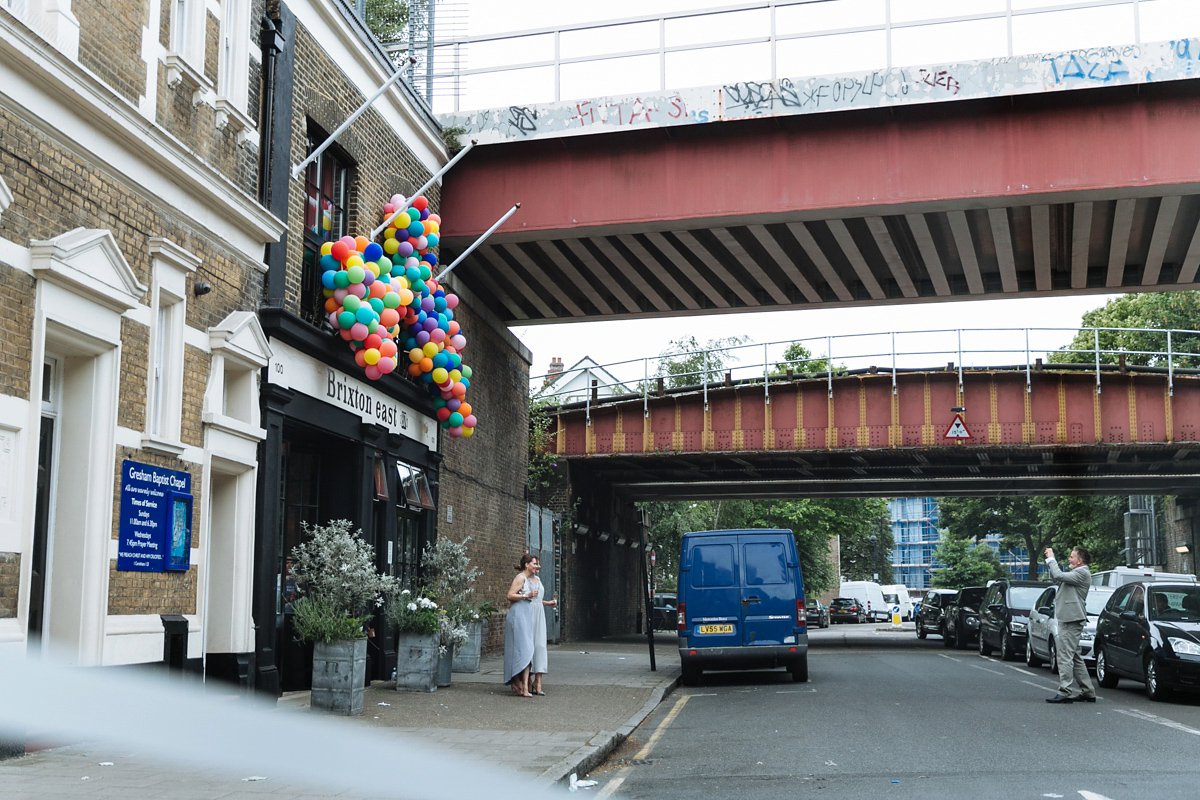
x=1181, y=549
x=603, y=537
x=201, y=288
x=621, y=541
x=581, y=529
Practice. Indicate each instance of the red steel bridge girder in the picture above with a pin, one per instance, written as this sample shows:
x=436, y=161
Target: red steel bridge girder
x=1059, y=409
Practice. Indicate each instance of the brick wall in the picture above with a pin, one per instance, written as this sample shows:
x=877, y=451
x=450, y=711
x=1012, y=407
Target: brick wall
x=151, y=592
x=110, y=43
x=10, y=584
x=16, y=330
x=167, y=462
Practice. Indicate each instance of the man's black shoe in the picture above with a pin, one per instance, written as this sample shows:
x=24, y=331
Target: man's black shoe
x=1083, y=699
x=1060, y=698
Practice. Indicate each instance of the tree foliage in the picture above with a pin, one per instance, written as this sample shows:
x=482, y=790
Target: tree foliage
x=387, y=19
x=799, y=359
x=541, y=458
x=685, y=361
x=1014, y=518
x=965, y=564
x=1160, y=311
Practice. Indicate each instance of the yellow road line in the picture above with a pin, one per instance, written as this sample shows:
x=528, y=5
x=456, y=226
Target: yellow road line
x=611, y=787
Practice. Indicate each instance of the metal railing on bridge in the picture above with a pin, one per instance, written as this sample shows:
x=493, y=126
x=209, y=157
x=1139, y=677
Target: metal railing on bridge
x=963, y=350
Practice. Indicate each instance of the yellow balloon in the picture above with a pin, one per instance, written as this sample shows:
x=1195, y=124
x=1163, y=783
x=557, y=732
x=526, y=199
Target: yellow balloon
x=455, y=375
x=371, y=356
x=439, y=375
x=431, y=349
x=434, y=227
x=371, y=265
x=354, y=261
x=326, y=247
x=406, y=295
x=468, y=431
x=415, y=355
x=390, y=233
x=390, y=246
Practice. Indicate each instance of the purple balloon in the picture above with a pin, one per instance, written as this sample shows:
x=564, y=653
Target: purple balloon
x=422, y=338
x=427, y=307
x=430, y=324
x=453, y=403
x=406, y=250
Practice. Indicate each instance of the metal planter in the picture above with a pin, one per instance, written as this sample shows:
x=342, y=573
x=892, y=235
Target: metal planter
x=339, y=672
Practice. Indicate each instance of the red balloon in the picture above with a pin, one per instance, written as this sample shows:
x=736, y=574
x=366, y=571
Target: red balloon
x=420, y=203
x=339, y=250
x=443, y=414
x=373, y=340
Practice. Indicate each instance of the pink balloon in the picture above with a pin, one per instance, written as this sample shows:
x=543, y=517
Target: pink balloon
x=397, y=201
x=437, y=335
x=358, y=331
x=469, y=421
x=458, y=342
x=389, y=209
x=358, y=290
x=372, y=372
x=386, y=365
x=333, y=320
x=339, y=295
x=349, y=242
x=451, y=301
x=455, y=431
x=422, y=243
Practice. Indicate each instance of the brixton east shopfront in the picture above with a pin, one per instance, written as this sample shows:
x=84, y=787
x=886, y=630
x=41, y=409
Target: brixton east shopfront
x=337, y=447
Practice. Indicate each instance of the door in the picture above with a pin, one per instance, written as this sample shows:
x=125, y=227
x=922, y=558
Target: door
x=768, y=591
x=43, y=509
x=1132, y=630
x=714, y=592
x=1039, y=624
x=542, y=540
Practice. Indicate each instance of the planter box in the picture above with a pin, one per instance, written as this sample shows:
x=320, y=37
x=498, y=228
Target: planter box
x=443, y=668
x=468, y=656
x=339, y=672
x=416, y=662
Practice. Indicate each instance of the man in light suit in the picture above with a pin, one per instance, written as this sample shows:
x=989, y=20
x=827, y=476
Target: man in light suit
x=1070, y=609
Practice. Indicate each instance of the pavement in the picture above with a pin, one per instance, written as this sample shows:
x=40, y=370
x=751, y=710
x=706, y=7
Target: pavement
x=597, y=693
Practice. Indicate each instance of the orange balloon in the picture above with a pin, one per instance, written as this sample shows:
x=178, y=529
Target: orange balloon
x=414, y=370
x=436, y=218
x=378, y=289
x=452, y=327
x=426, y=364
x=388, y=348
x=389, y=317
x=465, y=409
x=331, y=305
x=360, y=243
x=458, y=390
x=425, y=225
x=359, y=357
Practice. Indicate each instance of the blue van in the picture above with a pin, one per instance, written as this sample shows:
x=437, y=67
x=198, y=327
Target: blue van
x=741, y=603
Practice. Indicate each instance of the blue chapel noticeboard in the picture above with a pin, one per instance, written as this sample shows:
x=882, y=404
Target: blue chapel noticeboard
x=155, y=527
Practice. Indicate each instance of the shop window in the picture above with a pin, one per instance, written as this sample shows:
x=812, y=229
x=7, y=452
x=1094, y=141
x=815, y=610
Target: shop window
x=415, y=486
x=408, y=547
x=327, y=191
x=172, y=266
x=233, y=66
x=380, y=478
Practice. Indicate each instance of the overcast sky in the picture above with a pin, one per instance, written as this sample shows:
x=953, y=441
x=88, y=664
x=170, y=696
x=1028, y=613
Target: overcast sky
x=615, y=341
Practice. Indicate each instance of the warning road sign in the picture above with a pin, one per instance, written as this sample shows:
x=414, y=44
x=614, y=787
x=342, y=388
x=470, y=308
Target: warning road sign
x=957, y=429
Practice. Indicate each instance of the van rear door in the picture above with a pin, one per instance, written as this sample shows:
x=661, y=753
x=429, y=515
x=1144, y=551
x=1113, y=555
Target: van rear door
x=769, y=590
x=714, y=608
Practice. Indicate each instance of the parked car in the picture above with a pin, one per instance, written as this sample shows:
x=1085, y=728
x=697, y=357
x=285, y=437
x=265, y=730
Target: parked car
x=961, y=617
x=816, y=613
x=1119, y=576
x=664, y=617
x=1043, y=628
x=929, y=616
x=741, y=603
x=847, y=609
x=1150, y=632
x=1004, y=616
x=897, y=594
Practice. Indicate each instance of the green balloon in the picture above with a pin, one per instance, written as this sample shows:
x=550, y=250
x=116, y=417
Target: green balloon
x=340, y=279
x=376, y=304
x=455, y=419
x=426, y=272
x=355, y=274
x=351, y=303
x=391, y=300
x=346, y=319
x=465, y=370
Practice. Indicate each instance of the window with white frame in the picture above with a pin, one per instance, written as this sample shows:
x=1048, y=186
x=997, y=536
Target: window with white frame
x=172, y=267
x=185, y=60
x=233, y=65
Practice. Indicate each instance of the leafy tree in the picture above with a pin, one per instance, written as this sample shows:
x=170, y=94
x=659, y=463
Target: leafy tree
x=1159, y=311
x=1097, y=523
x=685, y=361
x=966, y=565
x=387, y=19
x=862, y=559
x=1015, y=518
x=800, y=359
x=541, y=458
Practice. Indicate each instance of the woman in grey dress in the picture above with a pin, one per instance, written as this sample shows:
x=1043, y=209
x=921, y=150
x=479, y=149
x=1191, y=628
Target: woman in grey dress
x=539, y=630
x=518, y=627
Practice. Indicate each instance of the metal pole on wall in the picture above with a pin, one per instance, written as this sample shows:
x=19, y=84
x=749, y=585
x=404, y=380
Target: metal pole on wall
x=647, y=600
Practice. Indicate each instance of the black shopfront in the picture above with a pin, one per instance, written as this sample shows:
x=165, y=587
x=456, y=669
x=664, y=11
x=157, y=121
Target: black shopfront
x=338, y=447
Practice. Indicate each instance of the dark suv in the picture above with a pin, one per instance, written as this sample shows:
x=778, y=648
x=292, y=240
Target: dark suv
x=961, y=624
x=842, y=609
x=929, y=616
x=1004, y=617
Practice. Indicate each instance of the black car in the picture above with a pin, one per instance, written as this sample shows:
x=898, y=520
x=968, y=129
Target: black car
x=1004, y=617
x=961, y=618
x=1150, y=632
x=847, y=609
x=665, y=615
x=815, y=613
x=929, y=616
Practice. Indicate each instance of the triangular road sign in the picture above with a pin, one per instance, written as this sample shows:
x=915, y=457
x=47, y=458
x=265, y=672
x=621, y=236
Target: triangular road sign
x=957, y=429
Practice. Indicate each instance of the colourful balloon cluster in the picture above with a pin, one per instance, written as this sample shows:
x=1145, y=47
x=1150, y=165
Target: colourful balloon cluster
x=383, y=298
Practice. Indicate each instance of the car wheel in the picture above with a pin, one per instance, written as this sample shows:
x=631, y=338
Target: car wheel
x=1053, y=648
x=1154, y=687
x=947, y=638
x=1006, y=649
x=921, y=634
x=1031, y=658
x=691, y=675
x=1104, y=676
x=799, y=670
x=985, y=649
x=960, y=639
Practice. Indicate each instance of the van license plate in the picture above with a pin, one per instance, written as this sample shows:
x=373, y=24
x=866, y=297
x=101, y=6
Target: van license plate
x=714, y=629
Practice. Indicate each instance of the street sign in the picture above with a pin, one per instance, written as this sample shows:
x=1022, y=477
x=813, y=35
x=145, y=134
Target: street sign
x=895, y=615
x=957, y=429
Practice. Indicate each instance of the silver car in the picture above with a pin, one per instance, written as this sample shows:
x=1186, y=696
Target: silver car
x=1043, y=628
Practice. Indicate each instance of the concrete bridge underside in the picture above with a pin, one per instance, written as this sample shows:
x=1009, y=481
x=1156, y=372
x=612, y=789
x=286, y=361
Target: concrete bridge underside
x=1053, y=435
x=1095, y=190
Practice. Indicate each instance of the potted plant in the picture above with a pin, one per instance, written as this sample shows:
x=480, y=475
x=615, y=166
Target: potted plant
x=334, y=569
x=417, y=623
x=451, y=579
x=452, y=635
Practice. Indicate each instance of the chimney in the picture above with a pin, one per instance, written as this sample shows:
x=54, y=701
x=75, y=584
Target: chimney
x=555, y=369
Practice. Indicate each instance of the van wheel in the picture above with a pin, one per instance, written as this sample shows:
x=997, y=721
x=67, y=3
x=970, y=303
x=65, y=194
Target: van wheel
x=1104, y=676
x=691, y=675
x=799, y=670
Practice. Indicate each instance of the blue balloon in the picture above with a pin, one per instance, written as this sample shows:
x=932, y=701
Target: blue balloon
x=365, y=314
x=430, y=259
x=327, y=280
x=329, y=263
x=441, y=360
x=373, y=252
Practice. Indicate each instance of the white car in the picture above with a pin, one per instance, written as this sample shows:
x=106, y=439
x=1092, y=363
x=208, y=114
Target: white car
x=1043, y=628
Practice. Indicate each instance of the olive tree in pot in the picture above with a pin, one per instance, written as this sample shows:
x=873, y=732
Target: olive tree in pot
x=417, y=621
x=335, y=569
x=451, y=579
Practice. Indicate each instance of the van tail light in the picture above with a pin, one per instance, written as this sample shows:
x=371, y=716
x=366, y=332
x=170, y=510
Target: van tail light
x=801, y=615
x=681, y=619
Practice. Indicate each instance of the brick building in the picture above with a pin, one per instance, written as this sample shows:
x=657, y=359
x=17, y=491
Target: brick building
x=164, y=372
